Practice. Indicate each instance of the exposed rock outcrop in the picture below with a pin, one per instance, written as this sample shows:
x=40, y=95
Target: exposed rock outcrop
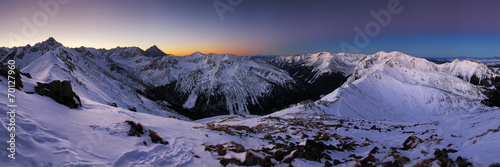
x=61, y=92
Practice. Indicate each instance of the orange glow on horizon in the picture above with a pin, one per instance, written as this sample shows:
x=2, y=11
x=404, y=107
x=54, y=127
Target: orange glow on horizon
x=185, y=52
x=167, y=48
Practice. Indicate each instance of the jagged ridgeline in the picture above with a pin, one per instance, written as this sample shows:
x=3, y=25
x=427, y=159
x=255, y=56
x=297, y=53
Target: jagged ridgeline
x=203, y=85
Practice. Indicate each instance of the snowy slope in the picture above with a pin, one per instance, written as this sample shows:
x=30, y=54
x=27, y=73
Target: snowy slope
x=403, y=88
x=50, y=134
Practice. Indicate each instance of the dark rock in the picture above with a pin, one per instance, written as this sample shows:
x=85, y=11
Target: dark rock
x=268, y=137
x=336, y=162
x=239, y=149
x=292, y=146
x=60, y=92
x=374, y=150
x=327, y=157
x=366, y=161
x=322, y=136
x=312, y=151
x=114, y=105
x=344, y=146
x=449, y=150
x=155, y=138
x=288, y=160
x=4, y=71
x=328, y=164
x=279, y=155
x=462, y=162
x=225, y=162
x=26, y=75
x=355, y=156
x=265, y=149
x=219, y=148
x=440, y=154
x=135, y=129
x=251, y=160
x=411, y=142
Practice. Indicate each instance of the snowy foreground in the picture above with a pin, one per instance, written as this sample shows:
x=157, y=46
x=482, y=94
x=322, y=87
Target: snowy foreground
x=50, y=134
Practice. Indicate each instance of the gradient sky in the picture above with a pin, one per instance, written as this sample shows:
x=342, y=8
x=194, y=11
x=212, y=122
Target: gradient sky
x=424, y=28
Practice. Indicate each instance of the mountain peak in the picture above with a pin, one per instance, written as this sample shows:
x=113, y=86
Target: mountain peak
x=154, y=51
x=196, y=54
x=51, y=42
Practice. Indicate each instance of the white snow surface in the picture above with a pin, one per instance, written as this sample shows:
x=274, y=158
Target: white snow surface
x=400, y=87
x=50, y=134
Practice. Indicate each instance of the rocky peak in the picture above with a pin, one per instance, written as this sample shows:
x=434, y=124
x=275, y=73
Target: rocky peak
x=51, y=42
x=154, y=51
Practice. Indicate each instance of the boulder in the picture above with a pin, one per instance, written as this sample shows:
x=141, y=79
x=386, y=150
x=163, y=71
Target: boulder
x=60, y=92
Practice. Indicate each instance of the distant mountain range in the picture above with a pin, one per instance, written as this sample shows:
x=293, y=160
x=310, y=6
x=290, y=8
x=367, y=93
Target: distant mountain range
x=203, y=85
x=129, y=107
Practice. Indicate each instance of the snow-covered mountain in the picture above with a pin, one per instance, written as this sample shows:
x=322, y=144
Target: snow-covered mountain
x=473, y=71
x=50, y=61
x=197, y=86
x=27, y=54
x=402, y=87
x=202, y=85
x=326, y=71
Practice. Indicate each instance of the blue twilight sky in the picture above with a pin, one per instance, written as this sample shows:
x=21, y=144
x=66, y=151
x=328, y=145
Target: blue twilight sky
x=424, y=28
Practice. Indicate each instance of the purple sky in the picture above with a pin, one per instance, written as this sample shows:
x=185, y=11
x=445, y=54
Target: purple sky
x=424, y=28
